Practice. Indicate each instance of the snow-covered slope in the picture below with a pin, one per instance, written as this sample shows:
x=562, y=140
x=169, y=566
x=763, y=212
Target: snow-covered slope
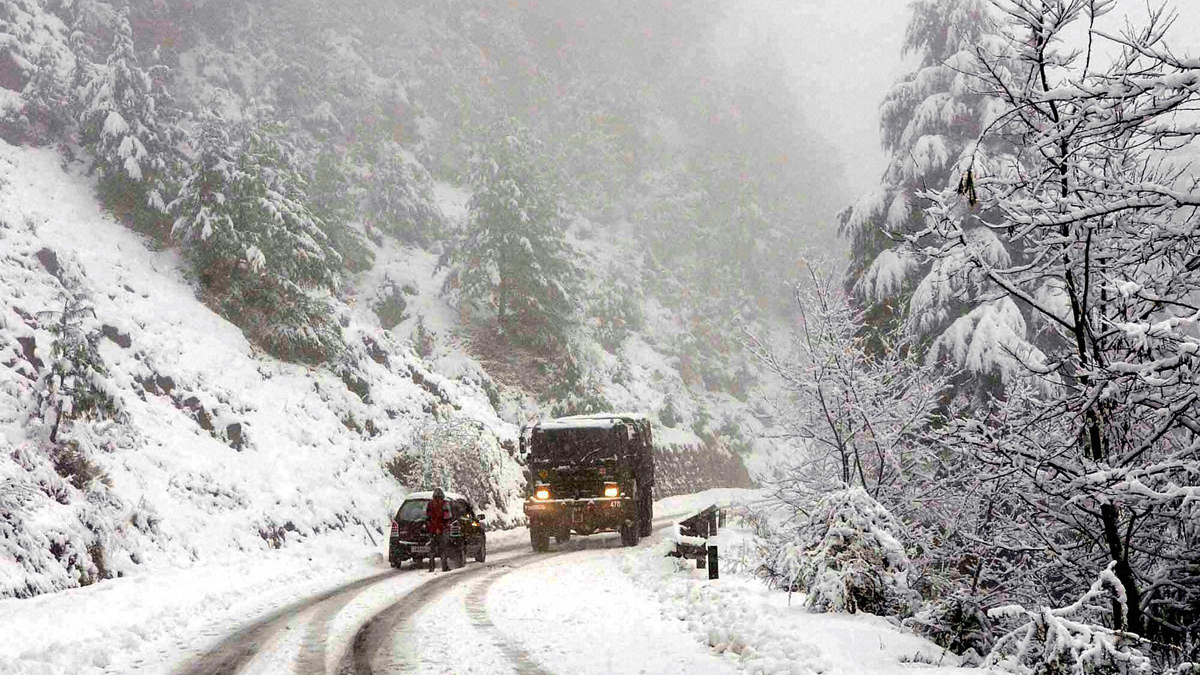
x=219, y=448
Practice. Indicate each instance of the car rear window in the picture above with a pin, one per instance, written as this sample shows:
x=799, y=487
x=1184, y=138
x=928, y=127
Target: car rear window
x=413, y=509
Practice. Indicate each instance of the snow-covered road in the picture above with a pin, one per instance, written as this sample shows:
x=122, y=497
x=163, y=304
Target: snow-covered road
x=408, y=621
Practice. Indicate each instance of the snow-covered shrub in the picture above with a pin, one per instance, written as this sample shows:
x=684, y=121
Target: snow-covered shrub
x=617, y=313
x=956, y=622
x=1071, y=640
x=75, y=387
x=846, y=559
x=462, y=456
x=424, y=340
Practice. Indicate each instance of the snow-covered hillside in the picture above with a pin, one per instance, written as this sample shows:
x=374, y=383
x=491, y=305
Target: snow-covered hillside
x=218, y=448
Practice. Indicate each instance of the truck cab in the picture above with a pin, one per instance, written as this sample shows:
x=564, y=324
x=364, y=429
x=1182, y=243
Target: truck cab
x=587, y=474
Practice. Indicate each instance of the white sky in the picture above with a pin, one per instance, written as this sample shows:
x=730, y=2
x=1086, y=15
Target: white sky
x=845, y=54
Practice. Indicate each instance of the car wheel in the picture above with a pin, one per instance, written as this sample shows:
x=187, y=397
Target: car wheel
x=481, y=554
x=539, y=538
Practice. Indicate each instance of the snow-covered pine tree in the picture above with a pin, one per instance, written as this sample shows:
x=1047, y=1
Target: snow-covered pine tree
x=512, y=255
x=1103, y=454
x=32, y=42
x=332, y=198
x=400, y=202
x=256, y=247
x=127, y=126
x=928, y=119
x=75, y=386
x=46, y=110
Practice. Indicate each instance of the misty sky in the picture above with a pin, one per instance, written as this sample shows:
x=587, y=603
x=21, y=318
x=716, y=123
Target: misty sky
x=845, y=54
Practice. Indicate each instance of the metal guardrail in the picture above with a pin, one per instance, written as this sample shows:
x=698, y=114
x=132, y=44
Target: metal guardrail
x=691, y=542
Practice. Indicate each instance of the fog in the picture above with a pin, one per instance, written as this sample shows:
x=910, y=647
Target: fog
x=844, y=54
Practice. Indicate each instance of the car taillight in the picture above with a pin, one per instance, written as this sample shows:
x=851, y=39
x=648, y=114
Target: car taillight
x=395, y=529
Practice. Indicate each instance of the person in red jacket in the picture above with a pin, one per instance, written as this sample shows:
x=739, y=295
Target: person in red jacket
x=438, y=514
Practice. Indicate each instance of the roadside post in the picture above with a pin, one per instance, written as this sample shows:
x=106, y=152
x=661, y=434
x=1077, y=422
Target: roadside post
x=692, y=535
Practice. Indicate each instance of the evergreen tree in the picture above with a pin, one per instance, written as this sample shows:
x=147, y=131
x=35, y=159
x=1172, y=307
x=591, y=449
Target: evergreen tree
x=929, y=119
x=332, y=197
x=512, y=255
x=400, y=202
x=256, y=246
x=130, y=134
x=46, y=111
x=76, y=387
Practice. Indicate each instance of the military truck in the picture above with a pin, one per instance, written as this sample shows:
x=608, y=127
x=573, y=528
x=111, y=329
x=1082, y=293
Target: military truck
x=587, y=474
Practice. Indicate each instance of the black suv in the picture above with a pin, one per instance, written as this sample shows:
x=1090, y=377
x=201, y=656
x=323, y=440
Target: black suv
x=410, y=531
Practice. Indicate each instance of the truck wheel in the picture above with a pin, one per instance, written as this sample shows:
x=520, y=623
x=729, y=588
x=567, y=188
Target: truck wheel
x=629, y=533
x=539, y=538
x=481, y=554
x=562, y=537
x=647, y=514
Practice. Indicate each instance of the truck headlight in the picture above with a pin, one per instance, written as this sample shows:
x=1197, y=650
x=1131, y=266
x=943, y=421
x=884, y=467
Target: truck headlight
x=542, y=493
x=612, y=490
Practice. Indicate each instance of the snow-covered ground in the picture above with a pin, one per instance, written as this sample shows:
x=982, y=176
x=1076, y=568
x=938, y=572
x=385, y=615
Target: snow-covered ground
x=589, y=606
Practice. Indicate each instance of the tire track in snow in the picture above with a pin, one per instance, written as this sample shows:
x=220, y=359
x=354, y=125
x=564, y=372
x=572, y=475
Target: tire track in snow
x=376, y=633
x=231, y=654
x=477, y=610
x=380, y=630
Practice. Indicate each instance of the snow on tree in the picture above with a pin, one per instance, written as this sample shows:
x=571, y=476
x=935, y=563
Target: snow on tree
x=126, y=124
x=928, y=119
x=512, y=255
x=34, y=63
x=76, y=385
x=332, y=198
x=1071, y=639
x=462, y=456
x=261, y=254
x=868, y=418
x=400, y=200
x=861, y=414
x=1103, y=456
x=845, y=557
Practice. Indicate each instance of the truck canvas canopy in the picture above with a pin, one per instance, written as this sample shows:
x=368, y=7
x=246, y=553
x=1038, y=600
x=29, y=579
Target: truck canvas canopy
x=579, y=445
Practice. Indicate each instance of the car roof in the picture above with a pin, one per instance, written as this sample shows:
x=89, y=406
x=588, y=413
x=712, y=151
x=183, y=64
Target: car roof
x=429, y=495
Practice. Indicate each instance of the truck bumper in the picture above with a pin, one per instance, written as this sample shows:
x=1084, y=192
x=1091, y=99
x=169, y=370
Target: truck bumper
x=582, y=516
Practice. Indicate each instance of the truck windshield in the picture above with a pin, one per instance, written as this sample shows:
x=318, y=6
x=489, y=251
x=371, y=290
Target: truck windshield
x=412, y=510
x=578, y=445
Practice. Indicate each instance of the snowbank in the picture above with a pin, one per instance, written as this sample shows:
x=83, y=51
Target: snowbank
x=770, y=631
